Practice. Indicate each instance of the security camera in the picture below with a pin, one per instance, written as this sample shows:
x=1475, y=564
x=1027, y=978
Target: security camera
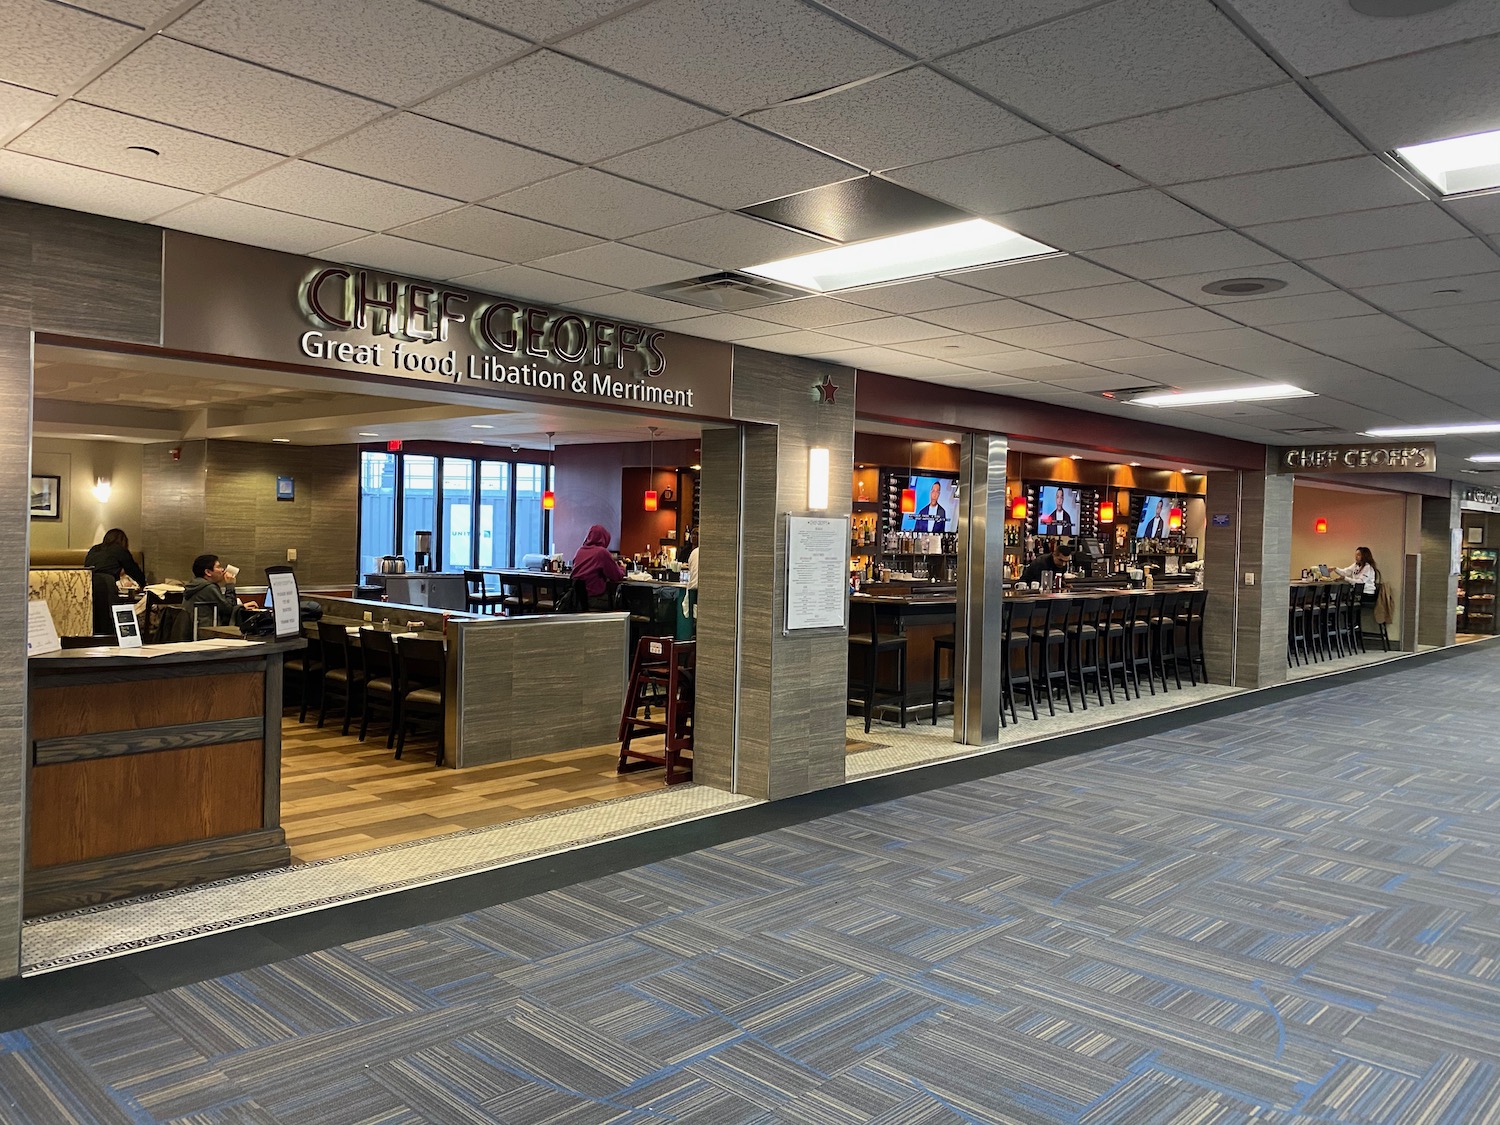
x=515, y=449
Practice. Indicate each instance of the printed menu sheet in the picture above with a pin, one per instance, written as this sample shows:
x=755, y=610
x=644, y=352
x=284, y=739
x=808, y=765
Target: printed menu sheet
x=817, y=572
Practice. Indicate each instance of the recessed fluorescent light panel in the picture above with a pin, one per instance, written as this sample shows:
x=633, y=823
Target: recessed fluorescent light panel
x=1486, y=458
x=1436, y=431
x=1459, y=164
x=921, y=253
x=1224, y=394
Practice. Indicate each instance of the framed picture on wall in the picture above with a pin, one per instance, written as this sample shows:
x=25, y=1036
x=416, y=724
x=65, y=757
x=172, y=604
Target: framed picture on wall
x=46, y=498
x=1476, y=536
x=286, y=488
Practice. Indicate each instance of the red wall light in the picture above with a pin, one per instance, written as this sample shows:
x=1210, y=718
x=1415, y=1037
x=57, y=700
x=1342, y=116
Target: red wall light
x=1174, y=519
x=549, y=501
x=1106, y=511
x=908, y=501
x=1320, y=525
x=650, y=499
x=1018, y=508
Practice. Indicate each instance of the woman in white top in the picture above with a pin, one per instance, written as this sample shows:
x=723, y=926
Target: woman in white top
x=1363, y=573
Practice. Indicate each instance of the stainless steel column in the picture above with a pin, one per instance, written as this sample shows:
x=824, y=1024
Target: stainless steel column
x=981, y=576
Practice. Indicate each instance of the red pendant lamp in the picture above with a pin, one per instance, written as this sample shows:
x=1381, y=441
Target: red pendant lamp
x=908, y=494
x=1018, y=507
x=1174, y=519
x=1106, y=511
x=1320, y=525
x=650, y=499
x=549, y=500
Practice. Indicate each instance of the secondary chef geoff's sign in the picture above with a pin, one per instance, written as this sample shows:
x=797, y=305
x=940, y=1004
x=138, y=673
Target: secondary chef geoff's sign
x=1406, y=457
x=225, y=299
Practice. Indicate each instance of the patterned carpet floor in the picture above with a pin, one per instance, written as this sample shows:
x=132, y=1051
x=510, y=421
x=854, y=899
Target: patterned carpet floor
x=1290, y=915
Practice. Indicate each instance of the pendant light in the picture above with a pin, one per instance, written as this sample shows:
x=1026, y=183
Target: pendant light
x=651, y=480
x=549, y=500
x=1174, y=519
x=1106, y=511
x=1018, y=507
x=908, y=494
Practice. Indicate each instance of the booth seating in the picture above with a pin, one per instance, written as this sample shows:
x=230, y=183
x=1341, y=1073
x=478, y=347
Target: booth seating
x=69, y=594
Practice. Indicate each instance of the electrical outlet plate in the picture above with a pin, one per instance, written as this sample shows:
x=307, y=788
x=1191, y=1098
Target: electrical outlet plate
x=291, y=554
x=1249, y=578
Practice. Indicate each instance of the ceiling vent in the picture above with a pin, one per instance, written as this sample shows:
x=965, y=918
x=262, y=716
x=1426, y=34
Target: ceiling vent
x=726, y=292
x=856, y=210
x=1125, y=393
x=1244, y=286
x=1305, y=430
x=1388, y=8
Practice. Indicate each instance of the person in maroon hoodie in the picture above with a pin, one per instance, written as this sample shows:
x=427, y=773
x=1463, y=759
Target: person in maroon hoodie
x=596, y=568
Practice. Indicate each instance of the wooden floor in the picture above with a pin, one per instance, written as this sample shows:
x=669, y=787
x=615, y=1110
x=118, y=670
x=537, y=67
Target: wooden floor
x=340, y=796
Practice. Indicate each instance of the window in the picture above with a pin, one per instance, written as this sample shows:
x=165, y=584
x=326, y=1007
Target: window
x=458, y=513
x=494, y=514
x=531, y=482
x=377, y=509
x=418, y=501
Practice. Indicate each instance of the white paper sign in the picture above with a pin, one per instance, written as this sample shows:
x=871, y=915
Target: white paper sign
x=817, y=572
x=127, y=626
x=285, y=602
x=41, y=633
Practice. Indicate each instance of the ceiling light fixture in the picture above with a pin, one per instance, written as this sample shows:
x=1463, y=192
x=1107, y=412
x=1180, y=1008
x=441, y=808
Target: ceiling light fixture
x=1391, y=8
x=921, y=253
x=1135, y=464
x=650, y=499
x=1439, y=430
x=1486, y=458
x=481, y=426
x=366, y=433
x=1459, y=164
x=282, y=440
x=1224, y=394
x=549, y=498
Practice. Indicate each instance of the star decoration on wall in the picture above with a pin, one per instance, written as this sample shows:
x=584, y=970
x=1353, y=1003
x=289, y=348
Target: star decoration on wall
x=826, y=390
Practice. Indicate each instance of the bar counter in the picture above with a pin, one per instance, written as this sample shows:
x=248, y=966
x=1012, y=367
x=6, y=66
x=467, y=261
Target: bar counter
x=151, y=771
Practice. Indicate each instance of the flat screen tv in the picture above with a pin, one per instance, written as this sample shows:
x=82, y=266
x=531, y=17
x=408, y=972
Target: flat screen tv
x=937, y=510
x=1152, y=518
x=1057, y=510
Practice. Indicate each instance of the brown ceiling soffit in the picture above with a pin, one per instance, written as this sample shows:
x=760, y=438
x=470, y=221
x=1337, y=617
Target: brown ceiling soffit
x=890, y=398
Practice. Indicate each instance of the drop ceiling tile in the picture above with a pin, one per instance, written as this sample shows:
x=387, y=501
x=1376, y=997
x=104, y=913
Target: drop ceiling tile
x=257, y=226
x=407, y=258
x=1300, y=193
x=538, y=21
x=955, y=347
x=921, y=367
x=728, y=241
x=1297, y=279
x=598, y=203
x=526, y=100
x=1091, y=383
x=1423, y=364
x=908, y=118
x=932, y=29
x=731, y=165
x=1023, y=362
x=337, y=197
x=1461, y=325
x=991, y=316
x=735, y=55
x=506, y=238
x=1051, y=335
x=1107, y=300
x=614, y=263
x=1434, y=292
x=1046, y=275
x=137, y=13
x=83, y=189
x=638, y=308
x=52, y=47
x=100, y=138
x=888, y=330
x=1160, y=323
x=438, y=157
x=1110, y=220
x=353, y=45
x=864, y=358
x=533, y=285
x=1028, y=174
x=1428, y=96
x=1409, y=263
x=920, y=296
x=1117, y=61
x=1194, y=253
x=1105, y=351
x=1378, y=229
x=183, y=85
x=1291, y=310
x=804, y=343
x=1371, y=331
x=814, y=312
x=1272, y=128
x=1217, y=343
x=730, y=326
x=1482, y=212
x=19, y=106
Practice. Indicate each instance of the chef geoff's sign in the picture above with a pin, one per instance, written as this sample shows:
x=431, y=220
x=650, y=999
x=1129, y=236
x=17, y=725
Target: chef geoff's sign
x=225, y=299
x=1408, y=457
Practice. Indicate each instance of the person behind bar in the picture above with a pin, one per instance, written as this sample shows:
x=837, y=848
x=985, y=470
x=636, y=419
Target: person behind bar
x=1057, y=561
x=209, y=598
x=596, y=568
x=109, y=559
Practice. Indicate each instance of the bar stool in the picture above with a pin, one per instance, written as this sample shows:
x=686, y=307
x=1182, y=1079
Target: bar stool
x=1017, y=619
x=421, y=687
x=1317, y=623
x=478, y=595
x=1052, y=644
x=1341, y=636
x=343, y=678
x=307, y=667
x=1296, y=630
x=1190, y=620
x=946, y=643
x=1163, y=619
x=1113, y=642
x=872, y=646
x=1081, y=625
x=1138, y=628
x=378, y=653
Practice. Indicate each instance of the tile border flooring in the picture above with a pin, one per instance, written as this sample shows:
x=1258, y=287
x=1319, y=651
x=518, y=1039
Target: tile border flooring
x=63, y=977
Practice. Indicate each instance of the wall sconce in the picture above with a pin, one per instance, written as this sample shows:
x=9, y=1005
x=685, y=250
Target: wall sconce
x=817, y=479
x=1174, y=519
x=102, y=489
x=1018, y=508
x=1106, y=511
x=1320, y=525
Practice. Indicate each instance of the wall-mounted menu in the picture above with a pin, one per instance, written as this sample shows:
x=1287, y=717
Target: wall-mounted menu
x=817, y=572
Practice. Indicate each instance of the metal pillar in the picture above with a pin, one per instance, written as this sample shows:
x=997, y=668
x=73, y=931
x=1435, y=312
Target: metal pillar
x=981, y=574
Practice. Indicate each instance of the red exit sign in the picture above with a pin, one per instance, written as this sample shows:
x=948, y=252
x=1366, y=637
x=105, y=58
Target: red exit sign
x=393, y=446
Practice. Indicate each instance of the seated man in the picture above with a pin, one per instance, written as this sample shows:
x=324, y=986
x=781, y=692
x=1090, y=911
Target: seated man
x=209, y=598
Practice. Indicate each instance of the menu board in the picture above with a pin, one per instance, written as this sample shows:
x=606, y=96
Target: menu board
x=817, y=572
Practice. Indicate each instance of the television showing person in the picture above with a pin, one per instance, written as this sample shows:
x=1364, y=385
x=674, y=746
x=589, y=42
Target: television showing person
x=1153, y=523
x=934, y=517
x=1059, y=521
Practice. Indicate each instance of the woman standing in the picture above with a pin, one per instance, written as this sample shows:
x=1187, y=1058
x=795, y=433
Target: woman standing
x=109, y=559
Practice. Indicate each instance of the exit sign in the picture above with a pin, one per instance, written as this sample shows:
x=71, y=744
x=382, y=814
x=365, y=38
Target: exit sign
x=393, y=446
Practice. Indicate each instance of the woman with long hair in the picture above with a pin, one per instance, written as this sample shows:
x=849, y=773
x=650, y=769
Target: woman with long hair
x=109, y=559
x=1363, y=573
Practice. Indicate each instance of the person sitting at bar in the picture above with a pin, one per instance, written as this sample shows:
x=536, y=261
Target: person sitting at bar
x=1362, y=574
x=209, y=599
x=110, y=559
x=1057, y=562
x=596, y=568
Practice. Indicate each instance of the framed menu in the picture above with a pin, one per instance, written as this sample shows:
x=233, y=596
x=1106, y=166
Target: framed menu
x=817, y=573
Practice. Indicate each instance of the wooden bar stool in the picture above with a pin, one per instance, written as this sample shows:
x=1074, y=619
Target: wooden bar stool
x=378, y=654
x=1052, y=646
x=940, y=645
x=1018, y=617
x=477, y=593
x=343, y=678
x=421, y=687
x=871, y=646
